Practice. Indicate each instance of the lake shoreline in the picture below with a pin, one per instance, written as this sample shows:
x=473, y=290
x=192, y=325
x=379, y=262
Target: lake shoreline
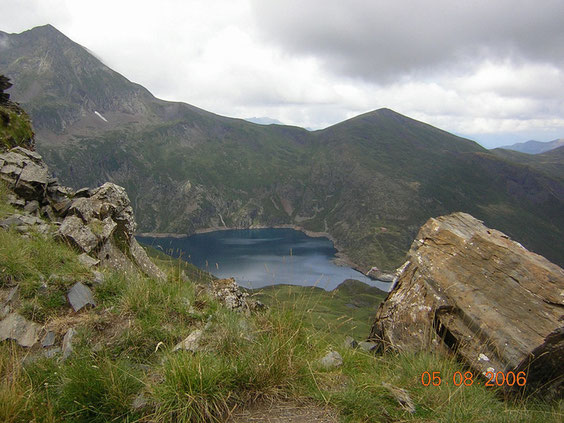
x=340, y=259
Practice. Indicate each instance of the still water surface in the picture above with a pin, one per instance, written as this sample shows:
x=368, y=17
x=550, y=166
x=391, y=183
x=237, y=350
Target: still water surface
x=261, y=257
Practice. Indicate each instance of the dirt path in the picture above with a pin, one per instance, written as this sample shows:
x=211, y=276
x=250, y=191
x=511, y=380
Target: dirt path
x=284, y=412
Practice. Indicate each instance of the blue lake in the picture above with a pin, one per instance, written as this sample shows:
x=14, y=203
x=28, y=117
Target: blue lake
x=261, y=257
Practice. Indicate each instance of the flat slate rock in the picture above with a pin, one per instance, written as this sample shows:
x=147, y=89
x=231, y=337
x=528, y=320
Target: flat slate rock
x=88, y=261
x=18, y=328
x=79, y=296
x=191, y=343
x=48, y=340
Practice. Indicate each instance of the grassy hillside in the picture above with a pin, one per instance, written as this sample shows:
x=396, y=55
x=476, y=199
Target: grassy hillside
x=347, y=310
x=370, y=182
x=123, y=367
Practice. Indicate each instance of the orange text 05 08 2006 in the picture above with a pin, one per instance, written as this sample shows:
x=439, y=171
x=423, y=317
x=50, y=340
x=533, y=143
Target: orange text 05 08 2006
x=468, y=379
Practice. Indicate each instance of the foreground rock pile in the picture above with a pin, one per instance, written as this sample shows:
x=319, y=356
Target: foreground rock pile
x=99, y=222
x=471, y=289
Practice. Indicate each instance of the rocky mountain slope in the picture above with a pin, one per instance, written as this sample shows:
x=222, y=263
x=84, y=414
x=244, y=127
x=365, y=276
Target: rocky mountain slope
x=370, y=182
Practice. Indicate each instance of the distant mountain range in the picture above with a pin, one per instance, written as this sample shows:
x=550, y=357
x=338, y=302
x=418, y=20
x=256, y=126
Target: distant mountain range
x=535, y=147
x=370, y=182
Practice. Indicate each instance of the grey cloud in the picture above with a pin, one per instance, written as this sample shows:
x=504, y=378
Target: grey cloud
x=384, y=40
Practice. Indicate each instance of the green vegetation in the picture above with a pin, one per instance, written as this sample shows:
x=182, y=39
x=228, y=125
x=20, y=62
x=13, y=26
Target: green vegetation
x=123, y=353
x=15, y=127
x=551, y=162
x=347, y=310
x=5, y=207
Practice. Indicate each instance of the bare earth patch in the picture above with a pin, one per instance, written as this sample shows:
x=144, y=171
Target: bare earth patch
x=285, y=412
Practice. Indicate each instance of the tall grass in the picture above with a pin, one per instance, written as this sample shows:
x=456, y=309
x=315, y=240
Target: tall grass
x=14, y=389
x=37, y=258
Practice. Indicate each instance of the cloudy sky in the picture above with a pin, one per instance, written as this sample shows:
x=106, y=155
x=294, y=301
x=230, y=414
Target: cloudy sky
x=489, y=70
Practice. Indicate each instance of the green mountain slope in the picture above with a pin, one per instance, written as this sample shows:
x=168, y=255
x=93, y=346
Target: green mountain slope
x=370, y=182
x=551, y=163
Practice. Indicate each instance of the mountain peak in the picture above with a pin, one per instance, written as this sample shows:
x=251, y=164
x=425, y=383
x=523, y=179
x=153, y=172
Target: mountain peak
x=44, y=29
x=47, y=27
x=383, y=113
x=46, y=35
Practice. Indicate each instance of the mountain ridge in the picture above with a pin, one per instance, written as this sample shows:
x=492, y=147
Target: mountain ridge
x=534, y=147
x=370, y=181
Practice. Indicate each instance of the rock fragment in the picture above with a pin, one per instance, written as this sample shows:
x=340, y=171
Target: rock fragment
x=80, y=296
x=368, y=346
x=48, y=340
x=18, y=328
x=78, y=234
x=191, y=343
x=88, y=261
x=331, y=360
x=67, y=348
x=350, y=342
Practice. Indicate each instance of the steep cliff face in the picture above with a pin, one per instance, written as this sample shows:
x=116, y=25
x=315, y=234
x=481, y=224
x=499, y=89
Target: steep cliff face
x=475, y=291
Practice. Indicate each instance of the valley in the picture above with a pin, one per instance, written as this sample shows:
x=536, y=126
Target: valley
x=370, y=182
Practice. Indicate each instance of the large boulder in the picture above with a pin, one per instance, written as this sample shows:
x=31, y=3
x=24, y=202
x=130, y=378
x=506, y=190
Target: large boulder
x=473, y=290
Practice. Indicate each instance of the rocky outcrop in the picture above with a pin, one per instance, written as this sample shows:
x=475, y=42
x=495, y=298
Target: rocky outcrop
x=471, y=289
x=4, y=85
x=230, y=295
x=98, y=222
